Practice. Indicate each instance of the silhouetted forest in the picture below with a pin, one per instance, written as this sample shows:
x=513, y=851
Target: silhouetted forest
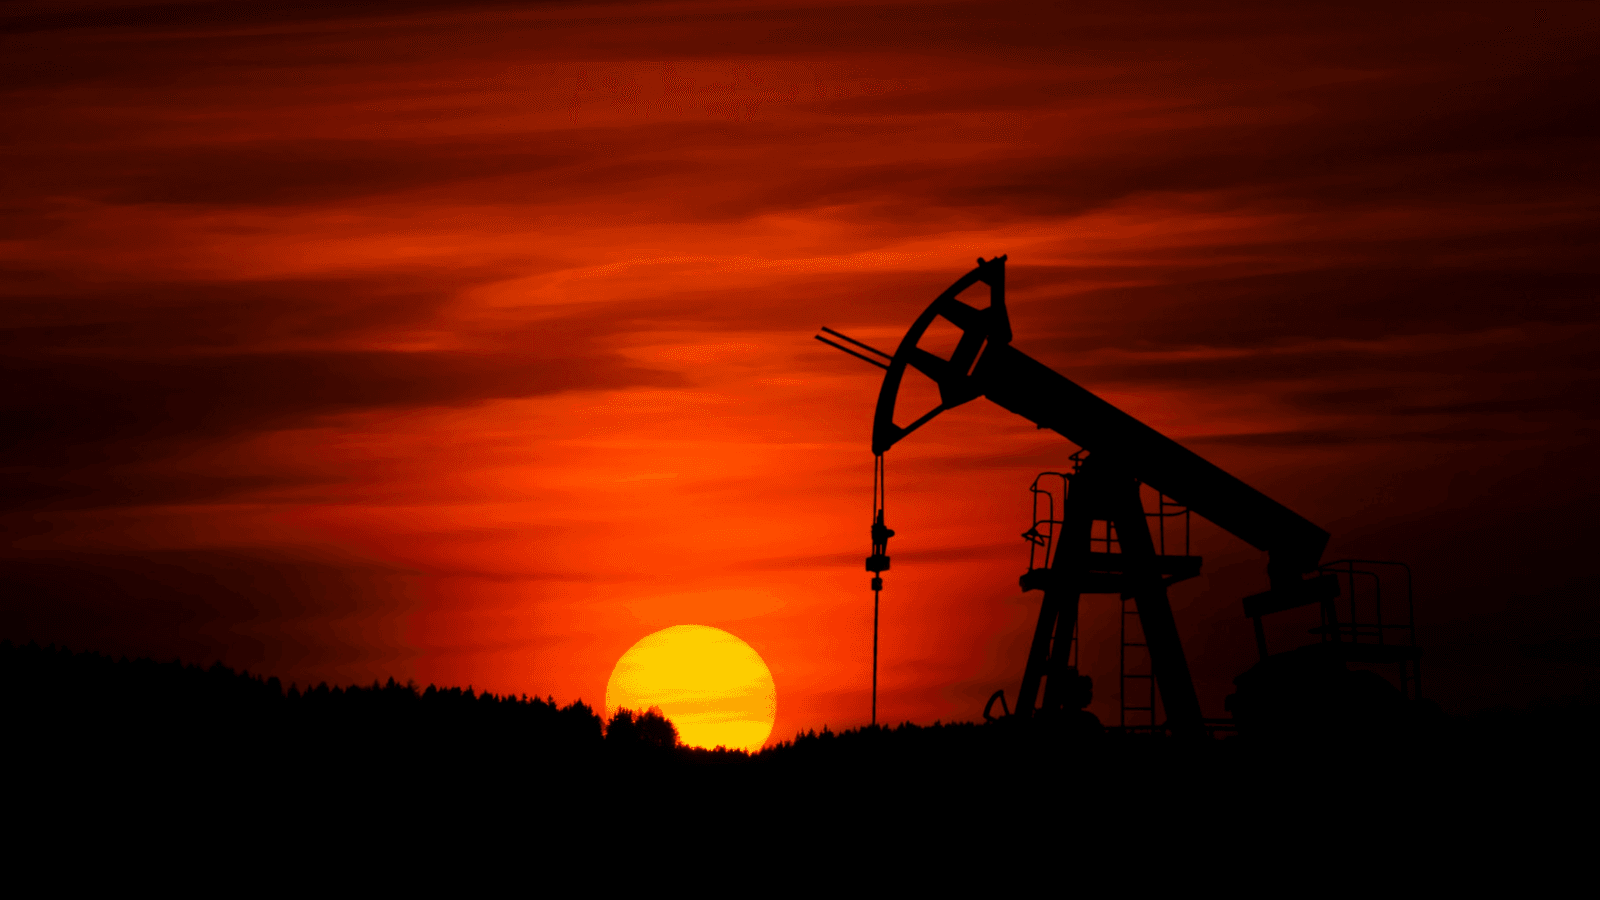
x=63, y=705
x=168, y=729
x=91, y=698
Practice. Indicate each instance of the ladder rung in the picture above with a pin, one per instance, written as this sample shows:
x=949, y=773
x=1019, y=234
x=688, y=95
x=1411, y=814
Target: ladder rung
x=1126, y=677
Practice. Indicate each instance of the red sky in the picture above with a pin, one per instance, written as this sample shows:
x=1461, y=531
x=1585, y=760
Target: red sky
x=471, y=343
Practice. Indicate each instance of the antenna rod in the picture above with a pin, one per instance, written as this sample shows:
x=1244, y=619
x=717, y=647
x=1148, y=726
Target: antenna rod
x=851, y=352
x=852, y=340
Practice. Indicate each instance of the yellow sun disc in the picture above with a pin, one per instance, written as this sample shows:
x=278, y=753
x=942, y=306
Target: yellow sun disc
x=714, y=687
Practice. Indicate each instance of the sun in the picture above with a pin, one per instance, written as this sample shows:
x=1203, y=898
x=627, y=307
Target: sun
x=714, y=687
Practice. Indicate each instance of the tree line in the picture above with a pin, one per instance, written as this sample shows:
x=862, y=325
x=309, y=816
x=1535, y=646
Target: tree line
x=60, y=701
x=56, y=702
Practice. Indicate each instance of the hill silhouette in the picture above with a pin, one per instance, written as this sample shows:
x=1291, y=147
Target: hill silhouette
x=72, y=702
x=164, y=735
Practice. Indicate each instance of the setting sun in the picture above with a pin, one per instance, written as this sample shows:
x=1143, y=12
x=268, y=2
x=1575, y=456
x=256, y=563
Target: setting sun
x=713, y=686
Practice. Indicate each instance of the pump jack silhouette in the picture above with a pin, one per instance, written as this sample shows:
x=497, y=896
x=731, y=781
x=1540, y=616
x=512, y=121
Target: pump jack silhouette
x=1119, y=453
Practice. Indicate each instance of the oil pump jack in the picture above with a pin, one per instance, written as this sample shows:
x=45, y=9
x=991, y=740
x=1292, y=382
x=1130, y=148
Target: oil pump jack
x=1119, y=454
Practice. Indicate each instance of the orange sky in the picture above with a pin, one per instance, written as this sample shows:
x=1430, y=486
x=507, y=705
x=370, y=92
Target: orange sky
x=471, y=343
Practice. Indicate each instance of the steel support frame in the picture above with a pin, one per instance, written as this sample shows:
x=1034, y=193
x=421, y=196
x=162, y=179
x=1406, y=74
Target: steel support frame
x=1100, y=491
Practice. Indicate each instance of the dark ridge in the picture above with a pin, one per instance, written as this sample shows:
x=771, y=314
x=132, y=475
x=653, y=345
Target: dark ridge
x=89, y=709
x=83, y=728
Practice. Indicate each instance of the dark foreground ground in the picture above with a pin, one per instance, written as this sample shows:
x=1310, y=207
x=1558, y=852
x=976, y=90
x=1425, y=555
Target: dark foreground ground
x=97, y=746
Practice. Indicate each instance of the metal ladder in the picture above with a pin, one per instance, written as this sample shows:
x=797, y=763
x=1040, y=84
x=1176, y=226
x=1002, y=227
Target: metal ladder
x=1140, y=704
